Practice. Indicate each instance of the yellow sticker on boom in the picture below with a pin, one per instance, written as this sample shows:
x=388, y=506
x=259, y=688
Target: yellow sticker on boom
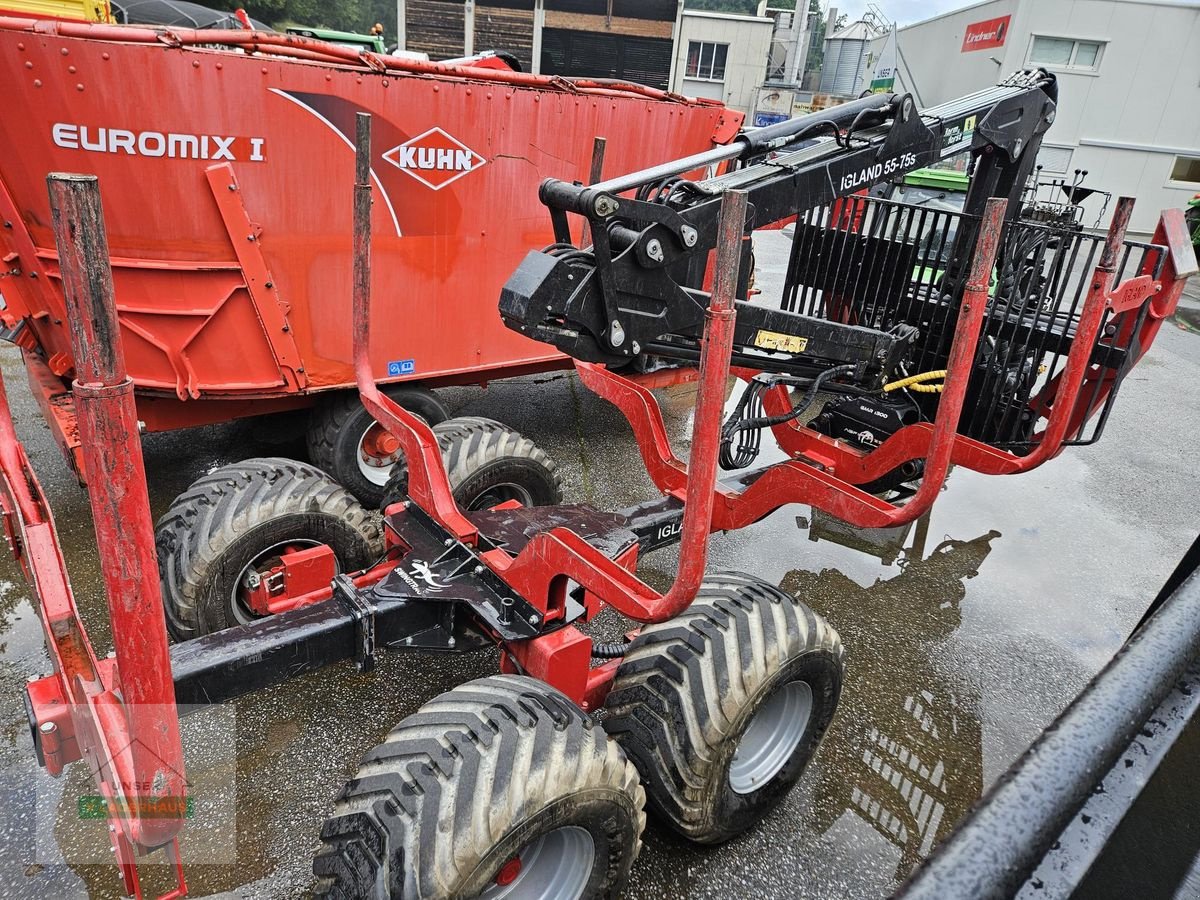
x=774, y=340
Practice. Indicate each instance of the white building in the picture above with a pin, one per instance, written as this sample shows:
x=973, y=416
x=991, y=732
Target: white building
x=722, y=57
x=1129, y=85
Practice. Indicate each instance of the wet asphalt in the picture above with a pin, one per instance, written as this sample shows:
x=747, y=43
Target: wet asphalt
x=966, y=634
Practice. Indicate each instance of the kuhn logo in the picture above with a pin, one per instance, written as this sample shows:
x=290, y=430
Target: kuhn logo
x=434, y=158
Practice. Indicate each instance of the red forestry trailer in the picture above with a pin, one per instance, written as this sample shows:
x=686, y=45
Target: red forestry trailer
x=905, y=340
x=231, y=256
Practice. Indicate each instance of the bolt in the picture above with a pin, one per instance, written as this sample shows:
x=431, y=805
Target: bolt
x=141, y=427
x=269, y=285
x=233, y=187
x=654, y=249
x=534, y=619
x=506, y=605
x=450, y=641
x=690, y=235
x=47, y=728
x=448, y=542
x=636, y=348
x=617, y=334
x=605, y=205
x=478, y=570
x=287, y=328
x=250, y=238
x=253, y=580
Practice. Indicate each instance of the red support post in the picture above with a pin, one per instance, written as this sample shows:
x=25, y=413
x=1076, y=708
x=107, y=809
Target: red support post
x=135, y=720
x=428, y=484
x=561, y=552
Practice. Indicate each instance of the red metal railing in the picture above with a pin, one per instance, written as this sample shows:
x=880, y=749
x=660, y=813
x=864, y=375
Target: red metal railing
x=302, y=48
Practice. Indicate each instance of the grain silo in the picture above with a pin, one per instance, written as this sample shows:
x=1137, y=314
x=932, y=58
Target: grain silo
x=843, y=69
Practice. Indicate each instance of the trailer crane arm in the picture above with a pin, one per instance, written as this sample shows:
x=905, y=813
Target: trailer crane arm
x=639, y=291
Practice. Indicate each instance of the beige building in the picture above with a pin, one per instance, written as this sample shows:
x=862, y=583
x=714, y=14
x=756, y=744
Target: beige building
x=1129, y=86
x=722, y=57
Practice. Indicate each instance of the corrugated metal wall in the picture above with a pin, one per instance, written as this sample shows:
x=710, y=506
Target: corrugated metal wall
x=591, y=55
x=435, y=27
x=505, y=25
x=844, y=63
x=578, y=38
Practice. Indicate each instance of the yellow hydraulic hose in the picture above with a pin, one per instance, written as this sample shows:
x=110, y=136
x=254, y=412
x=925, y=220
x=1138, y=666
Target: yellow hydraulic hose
x=914, y=382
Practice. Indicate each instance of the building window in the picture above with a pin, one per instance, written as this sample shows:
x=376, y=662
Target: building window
x=706, y=60
x=1186, y=168
x=1065, y=53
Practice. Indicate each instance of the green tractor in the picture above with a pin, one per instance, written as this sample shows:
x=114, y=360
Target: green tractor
x=1192, y=217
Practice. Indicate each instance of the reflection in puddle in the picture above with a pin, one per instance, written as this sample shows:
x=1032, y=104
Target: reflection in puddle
x=1187, y=319
x=905, y=752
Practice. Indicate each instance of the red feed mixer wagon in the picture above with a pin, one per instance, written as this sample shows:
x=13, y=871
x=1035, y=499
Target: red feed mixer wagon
x=230, y=253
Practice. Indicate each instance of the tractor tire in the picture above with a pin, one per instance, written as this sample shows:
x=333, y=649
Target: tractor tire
x=722, y=707
x=340, y=428
x=487, y=463
x=502, y=781
x=233, y=518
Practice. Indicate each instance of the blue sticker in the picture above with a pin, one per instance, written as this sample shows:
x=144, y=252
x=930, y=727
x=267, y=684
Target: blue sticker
x=402, y=367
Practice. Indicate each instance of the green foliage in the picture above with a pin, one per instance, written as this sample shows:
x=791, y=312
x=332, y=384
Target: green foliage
x=343, y=15
x=740, y=7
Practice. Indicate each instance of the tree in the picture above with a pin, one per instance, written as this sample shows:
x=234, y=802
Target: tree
x=344, y=15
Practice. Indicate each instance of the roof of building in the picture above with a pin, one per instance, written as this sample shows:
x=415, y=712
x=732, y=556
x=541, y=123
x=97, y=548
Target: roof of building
x=705, y=14
x=856, y=31
x=1195, y=4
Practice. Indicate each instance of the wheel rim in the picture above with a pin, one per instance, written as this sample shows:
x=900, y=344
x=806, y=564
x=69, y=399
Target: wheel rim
x=265, y=561
x=555, y=866
x=771, y=738
x=501, y=493
x=377, y=453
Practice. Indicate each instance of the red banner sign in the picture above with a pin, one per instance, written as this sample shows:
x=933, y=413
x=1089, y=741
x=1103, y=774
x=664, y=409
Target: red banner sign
x=986, y=34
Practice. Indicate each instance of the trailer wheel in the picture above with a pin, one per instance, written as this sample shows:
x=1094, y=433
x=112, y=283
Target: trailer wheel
x=487, y=463
x=501, y=787
x=346, y=441
x=236, y=521
x=722, y=707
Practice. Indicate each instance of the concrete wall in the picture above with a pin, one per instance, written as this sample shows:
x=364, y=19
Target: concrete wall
x=749, y=41
x=1124, y=122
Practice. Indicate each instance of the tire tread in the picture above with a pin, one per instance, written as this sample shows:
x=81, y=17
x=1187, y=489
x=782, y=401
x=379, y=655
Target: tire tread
x=451, y=780
x=222, y=506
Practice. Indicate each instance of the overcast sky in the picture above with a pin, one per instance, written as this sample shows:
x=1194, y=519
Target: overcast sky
x=902, y=12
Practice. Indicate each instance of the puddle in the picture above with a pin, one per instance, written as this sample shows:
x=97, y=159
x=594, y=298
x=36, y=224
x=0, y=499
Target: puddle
x=967, y=632
x=1187, y=318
